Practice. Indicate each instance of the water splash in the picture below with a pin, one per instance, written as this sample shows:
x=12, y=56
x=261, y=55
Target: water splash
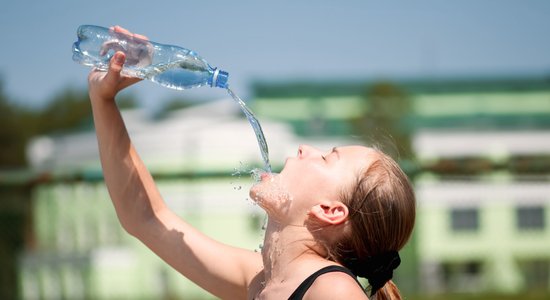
x=256, y=174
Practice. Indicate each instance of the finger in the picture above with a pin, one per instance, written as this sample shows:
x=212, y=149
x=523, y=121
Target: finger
x=122, y=30
x=115, y=67
x=141, y=37
x=121, y=33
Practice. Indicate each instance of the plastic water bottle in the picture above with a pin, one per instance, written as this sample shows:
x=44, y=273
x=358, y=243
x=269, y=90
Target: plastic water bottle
x=171, y=66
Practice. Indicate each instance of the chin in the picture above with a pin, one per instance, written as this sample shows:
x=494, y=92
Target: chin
x=257, y=195
x=254, y=191
x=271, y=195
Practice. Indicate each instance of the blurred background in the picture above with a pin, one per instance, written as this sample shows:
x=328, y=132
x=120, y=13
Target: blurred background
x=458, y=92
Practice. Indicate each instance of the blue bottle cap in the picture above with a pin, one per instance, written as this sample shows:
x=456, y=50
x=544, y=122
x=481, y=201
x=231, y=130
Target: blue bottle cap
x=219, y=79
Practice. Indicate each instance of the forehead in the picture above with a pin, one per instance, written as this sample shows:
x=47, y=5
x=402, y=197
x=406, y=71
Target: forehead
x=361, y=155
x=356, y=150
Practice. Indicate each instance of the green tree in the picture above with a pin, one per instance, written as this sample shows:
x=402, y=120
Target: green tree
x=383, y=124
x=68, y=110
x=12, y=140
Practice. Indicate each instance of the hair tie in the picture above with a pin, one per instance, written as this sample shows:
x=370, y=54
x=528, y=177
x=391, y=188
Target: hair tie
x=377, y=269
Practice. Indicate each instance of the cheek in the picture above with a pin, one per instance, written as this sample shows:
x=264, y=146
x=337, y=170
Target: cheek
x=310, y=175
x=316, y=183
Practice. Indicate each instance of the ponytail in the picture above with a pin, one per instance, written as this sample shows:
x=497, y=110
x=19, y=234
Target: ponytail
x=388, y=292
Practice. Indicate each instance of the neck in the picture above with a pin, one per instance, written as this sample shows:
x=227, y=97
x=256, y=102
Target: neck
x=284, y=245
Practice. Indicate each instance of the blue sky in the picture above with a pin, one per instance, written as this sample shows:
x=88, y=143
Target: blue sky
x=285, y=39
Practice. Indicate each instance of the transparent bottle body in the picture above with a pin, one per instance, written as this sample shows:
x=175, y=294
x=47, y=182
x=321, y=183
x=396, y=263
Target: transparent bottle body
x=171, y=66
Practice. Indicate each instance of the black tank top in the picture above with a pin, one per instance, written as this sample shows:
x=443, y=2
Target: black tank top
x=306, y=284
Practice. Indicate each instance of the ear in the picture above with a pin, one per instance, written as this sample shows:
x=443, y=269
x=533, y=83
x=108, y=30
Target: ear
x=330, y=212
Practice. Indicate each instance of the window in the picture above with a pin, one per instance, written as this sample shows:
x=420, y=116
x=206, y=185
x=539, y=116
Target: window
x=536, y=274
x=462, y=276
x=529, y=218
x=464, y=219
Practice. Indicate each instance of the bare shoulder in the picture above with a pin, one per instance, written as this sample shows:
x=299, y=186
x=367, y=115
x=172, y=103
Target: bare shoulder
x=335, y=285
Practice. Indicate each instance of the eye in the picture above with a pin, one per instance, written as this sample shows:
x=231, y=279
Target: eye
x=324, y=158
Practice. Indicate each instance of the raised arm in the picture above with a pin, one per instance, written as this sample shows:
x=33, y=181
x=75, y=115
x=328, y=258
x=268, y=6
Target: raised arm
x=222, y=270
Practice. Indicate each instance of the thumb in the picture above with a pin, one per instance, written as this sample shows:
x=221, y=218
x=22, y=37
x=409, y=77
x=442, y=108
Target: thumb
x=115, y=66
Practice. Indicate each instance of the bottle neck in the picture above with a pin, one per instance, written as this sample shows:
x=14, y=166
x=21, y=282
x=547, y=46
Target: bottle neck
x=219, y=78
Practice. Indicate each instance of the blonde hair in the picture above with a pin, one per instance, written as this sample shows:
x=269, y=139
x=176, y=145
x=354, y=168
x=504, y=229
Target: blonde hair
x=381, y=216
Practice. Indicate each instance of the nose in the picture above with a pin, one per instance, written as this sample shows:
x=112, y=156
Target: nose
x=306, y=150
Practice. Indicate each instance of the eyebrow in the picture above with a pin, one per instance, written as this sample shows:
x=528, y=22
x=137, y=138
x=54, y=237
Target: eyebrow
x=335, y=150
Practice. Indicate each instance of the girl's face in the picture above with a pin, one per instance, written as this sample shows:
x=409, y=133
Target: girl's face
x=309, y=178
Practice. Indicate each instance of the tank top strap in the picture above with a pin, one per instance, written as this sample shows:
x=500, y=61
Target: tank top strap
x=306, y=284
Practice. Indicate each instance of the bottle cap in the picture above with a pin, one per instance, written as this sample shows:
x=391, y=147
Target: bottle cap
x=219, y=79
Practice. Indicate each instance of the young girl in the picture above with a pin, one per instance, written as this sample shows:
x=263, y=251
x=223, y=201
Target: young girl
x=331, y=216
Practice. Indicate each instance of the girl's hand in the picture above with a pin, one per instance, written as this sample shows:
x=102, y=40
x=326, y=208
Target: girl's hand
x=106, y=85
x=136, y=51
